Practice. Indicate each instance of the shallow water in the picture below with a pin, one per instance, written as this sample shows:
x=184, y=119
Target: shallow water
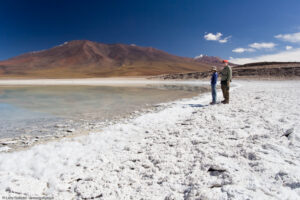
x=37, y=109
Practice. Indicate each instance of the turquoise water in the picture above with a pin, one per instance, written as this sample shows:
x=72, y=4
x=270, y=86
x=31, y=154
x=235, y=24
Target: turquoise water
x=36, y=109
x=15, y=120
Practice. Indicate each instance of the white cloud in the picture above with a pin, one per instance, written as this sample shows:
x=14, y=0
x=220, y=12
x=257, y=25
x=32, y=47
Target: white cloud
x=263, y=45
x=254, y=46
x=284, y=56
x=224, y=40
x=294, y=37
x=200, y=56
x=288, y=47
x=242, y=50
x=216, y=37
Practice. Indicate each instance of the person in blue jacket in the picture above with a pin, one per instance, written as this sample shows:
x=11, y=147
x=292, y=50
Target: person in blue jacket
x=213, y=83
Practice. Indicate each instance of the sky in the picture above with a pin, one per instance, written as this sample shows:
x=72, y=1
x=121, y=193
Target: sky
x=239, y=30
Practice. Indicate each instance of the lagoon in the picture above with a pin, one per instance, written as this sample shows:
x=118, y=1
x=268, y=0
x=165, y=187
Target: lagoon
x=38, y=110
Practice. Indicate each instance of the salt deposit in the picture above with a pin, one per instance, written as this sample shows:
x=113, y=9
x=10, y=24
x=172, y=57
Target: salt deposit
x=248, y=149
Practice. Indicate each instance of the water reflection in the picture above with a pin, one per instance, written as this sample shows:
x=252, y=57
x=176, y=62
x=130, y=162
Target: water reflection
x=23, y=107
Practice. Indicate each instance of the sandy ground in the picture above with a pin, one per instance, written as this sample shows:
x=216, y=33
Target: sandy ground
x=248, y=149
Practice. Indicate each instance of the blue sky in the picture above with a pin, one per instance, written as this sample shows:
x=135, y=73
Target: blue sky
x=231, y=29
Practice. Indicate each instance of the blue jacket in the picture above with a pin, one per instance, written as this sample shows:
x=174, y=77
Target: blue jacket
x=214, y=78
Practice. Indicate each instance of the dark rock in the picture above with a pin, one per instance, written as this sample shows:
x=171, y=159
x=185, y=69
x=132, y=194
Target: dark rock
x=215, y=171
x=252, y=156
x=294, y=185
x=215, y=185
x=288, y=132
x=280, y=176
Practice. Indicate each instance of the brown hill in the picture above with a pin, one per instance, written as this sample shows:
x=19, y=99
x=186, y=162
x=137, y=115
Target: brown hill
x=269, y=64
x=250, y=70
x=268, y=69
x=82, y=58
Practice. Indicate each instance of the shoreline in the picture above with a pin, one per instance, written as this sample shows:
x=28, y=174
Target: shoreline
x=24, y=142
x=74, y=128
x=141, y=81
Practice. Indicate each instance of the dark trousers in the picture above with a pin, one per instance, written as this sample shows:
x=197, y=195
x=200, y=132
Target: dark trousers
x=225, y=91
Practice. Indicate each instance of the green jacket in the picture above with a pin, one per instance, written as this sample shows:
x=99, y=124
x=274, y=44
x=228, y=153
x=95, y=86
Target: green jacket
x=226, y=73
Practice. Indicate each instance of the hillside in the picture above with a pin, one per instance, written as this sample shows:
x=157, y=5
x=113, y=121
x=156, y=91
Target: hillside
x=82, y=58
x=212, y=61
x=268, y=69
x=251, y=70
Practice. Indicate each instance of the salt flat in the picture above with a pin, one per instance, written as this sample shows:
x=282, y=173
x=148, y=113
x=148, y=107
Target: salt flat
x=248, y=149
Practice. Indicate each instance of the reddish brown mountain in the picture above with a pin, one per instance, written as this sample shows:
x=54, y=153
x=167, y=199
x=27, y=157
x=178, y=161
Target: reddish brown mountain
x=212, y=61
x=84, y=58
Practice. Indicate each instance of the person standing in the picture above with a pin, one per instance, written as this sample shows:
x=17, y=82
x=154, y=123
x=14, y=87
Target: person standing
x=225, y=81
x=213, y=83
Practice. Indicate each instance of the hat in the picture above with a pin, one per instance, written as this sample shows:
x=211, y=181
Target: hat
x=214, y=68
x=225, y=61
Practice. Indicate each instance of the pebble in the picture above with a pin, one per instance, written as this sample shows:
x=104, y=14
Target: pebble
x=9, y=142
x=58, y=126
x=71, y=130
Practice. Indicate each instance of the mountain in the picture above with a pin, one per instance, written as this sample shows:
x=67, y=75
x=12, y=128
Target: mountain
x=83, y=58
x=212, y=61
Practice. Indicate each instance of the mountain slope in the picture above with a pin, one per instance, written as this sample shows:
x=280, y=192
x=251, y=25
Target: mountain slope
x=82, y=58
x=212, y=60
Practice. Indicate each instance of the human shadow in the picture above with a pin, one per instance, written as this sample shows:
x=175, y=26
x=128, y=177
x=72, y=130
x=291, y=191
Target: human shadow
x=197, y=105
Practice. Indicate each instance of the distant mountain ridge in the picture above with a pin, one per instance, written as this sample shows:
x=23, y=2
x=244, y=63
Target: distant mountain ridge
x=83, y=58
x=281, y=70
x=209, y=59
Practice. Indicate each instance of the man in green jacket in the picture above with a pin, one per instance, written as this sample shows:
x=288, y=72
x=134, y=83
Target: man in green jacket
x=225, y=81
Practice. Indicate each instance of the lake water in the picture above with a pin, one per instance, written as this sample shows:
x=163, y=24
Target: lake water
x=37, y=109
